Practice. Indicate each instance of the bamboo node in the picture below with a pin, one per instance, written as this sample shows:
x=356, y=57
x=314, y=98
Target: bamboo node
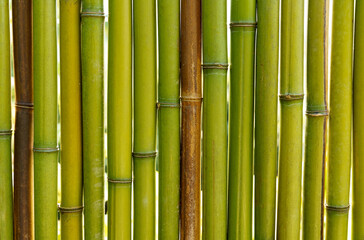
x=317, y=113
x=291, y=97
x=243, y=24
x=6, y=132
x=341, y=209
x=224, y=66
x=93, y=14
x=144, y=154
x=168, y=105
x=120, y=181
x=191, y=99
x=70, y=209
x=45, y=150
x=24, y=105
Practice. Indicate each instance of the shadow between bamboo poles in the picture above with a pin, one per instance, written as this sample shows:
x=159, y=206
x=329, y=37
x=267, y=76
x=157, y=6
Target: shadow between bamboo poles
x=23, y=135
x=6, y=195
x=191, y=97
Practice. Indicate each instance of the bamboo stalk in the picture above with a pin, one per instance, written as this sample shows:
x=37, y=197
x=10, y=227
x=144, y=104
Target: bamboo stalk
x=215, y=67
x=6, y=191
x=266, y=119
x=45, y=119
x=145, y=74
x=23, y=137
x=92, y=65
x=169, y=119
x=71, y=122
x=191, y=97
x=316, y=124
x=358, y=133
x=243, y=23
x=120, y=120
x=339, y=155
x=291, y=99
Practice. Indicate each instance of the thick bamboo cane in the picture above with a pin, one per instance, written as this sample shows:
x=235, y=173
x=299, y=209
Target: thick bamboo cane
x=45, y=119
x=339, y=155
x=169, y=119
x=316, y=124
x=191, y=97
x=6, y=191
x=358, y=130
x=265, y=168
x=145, y=74
x=243, y=23
x=71, y=121
x=92, y=65
x=120, y=120
x=23, y=138
x=215, y=68
x=291, y=99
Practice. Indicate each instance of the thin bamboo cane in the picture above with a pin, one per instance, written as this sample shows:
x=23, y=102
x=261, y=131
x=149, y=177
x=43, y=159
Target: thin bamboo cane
x=339, y=155
x=145, y=74
x=265, y=168
x=316, y=124
x=215, y=68
x=71, y=122
x=358, y=133
x=169, y=119
x=92, y=65
x=191, y=96
x=291, y=99
x=120, y=119
x=45, y=119
x=6, y=192
x=243, y=23
x=23, y=138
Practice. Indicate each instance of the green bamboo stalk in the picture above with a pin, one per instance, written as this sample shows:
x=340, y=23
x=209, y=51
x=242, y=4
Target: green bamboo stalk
x=243, y=23
x=316, y=124
x=339, y=155
x=45, y=119
x=291, y=99
x=265, y=168
x=144, y=118
x=169, y=119
x=214, y=190
x=358, y=133
x=120, y=119
x=71, y=121
x=6, y=192
x=92, y=65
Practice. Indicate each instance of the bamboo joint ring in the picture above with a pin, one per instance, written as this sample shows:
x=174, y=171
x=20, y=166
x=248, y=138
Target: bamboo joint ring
x=46, y=150
x=70, y=209
x=93, y=14
x=120, y=181
x=342, y=209
x=243, y=24
x=224, y=66
x=291, y=97
x=144, y=154
x=168, y=105
x=6, y=132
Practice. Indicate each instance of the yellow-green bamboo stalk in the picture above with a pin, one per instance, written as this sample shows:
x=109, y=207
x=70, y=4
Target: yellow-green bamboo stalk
x=71, y=121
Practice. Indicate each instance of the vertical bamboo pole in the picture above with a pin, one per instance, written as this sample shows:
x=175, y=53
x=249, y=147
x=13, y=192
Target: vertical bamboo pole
x=6, y=191
x=191, y=97
x=145, y=74
x=71, y=122
x=45, y=119
x=92, y=65
x=339, y=155
x=243, y=23
x=23, y=138
x=266, y=119
x=291, y=99
x=120, y=119
x=358, y=137
x=316, y=112
x=169, y=119
x=214, y=120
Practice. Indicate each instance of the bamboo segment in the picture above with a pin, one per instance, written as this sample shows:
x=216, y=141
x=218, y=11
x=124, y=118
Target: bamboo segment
x=45, y=119
x=6, y=191
x=169, y=119
x=339, y=155
x=92, y=65
x=291, y=99
x=266, y=119
x=191, y=118
x=23, y=138
x=145, y=74
x=214, y=120
x=316, y=112
x=358, y=137
x=243, y=23
x=120, y=120
x=71, y=122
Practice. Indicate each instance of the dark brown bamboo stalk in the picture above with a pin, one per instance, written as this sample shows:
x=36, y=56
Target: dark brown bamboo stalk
x=191, y=97
x=23, y=140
